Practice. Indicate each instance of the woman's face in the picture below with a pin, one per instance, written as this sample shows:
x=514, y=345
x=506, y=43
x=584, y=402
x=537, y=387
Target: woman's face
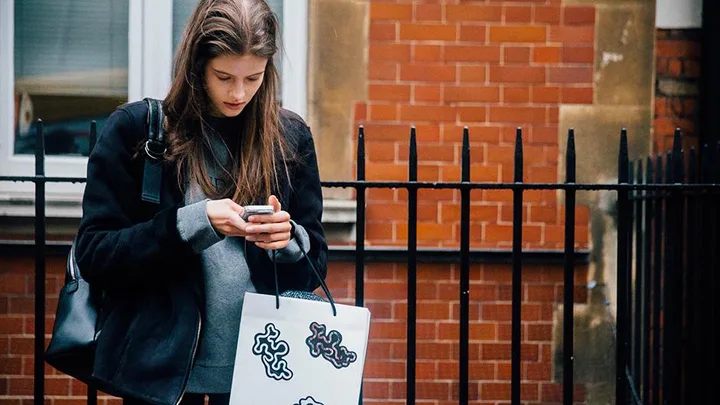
x=232, y=81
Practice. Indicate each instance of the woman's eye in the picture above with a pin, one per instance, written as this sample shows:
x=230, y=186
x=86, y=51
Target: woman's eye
x=223, y=79
x=253, y=79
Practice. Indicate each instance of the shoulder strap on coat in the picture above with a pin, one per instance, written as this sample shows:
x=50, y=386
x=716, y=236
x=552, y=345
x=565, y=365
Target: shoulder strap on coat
x=154, y=152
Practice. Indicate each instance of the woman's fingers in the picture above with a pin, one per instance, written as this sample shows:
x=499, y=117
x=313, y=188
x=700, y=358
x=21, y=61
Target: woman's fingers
x=254, y=229
x=280, y=216
x=269, y=237
x=272, y=245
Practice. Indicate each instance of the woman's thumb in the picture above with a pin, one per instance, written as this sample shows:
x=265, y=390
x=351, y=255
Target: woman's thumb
x=275, y=203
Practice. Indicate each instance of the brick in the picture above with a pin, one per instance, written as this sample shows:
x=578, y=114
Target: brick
x=487, y=174
x=478, y=213
x=359, y=112
x=545, y=94
x=427, y=93
x=380, y=151
x=378, y=231
x=428, y=32
x=472, y=74
x=677, y=49
x=516, y=94
x=517, y=14
x=432, y=390
x=579, y=15
x=12, y=284
x=577, y=95
x=570, y=75
x=427, y=231
x=427, y=73
x=517, y=74
x=427, y=53
x=547, y=54
x=502, y=351
x=516, y=54
x=472, y=114
x=429, y=152
x=567, y=34
x=382, y=71
x=376, y=389
x=427, y=113
x=517, y=34
x=578, y=54
x=471, y=94
x=428, y=12
x=518, y=115
x=547, y=14
x=478, y=370
x=538, y=371
x=388, y=11
x=478, y=134
x=382, y=112
x=472, y=33
x=473, y=12
x=501, y=391
x=388, y=52
x=389, y=92
x=382, y=31
x=675, y=68
x=466, y=53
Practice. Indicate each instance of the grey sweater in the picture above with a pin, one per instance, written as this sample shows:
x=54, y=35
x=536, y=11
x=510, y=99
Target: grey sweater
x=225, y=272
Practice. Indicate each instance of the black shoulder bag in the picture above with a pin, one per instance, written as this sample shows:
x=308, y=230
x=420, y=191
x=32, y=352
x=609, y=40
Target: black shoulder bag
x=75, y=331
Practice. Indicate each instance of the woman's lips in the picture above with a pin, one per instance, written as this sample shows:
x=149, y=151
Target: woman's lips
x=232, y=106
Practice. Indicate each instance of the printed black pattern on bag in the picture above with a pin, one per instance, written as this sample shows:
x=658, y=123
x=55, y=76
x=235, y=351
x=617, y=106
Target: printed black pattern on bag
x=308, y=401
x=272, y=351
x=328, y=346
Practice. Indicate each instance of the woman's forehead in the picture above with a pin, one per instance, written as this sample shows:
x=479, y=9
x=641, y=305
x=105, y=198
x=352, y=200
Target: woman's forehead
x=239, y=65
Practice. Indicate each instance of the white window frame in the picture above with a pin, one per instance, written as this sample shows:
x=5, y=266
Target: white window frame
x=149, y=75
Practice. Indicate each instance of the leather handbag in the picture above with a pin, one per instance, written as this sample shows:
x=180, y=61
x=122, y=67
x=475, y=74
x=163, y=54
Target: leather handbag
x=75, y=331
x=72, y=346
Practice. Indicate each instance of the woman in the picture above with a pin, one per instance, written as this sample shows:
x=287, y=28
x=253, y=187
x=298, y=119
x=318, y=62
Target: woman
x=173, y=274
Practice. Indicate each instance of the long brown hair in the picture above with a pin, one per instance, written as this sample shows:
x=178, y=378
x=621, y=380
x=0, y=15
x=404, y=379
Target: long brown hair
x=219, y=27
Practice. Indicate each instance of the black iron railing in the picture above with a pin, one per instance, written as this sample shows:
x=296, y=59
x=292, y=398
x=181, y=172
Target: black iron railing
x=672, y=223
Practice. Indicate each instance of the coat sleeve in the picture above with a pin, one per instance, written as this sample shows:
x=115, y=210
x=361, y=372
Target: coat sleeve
x=305, y=208
x=113, y=248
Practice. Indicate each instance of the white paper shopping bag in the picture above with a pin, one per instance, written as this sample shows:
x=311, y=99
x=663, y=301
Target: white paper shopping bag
x=299, y=354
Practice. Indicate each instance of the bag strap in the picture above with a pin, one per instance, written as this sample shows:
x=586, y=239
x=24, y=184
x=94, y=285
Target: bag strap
x=154, y=150
x=317, y=274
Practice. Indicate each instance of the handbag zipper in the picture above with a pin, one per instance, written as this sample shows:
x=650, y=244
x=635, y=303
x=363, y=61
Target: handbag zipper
x=192, y=359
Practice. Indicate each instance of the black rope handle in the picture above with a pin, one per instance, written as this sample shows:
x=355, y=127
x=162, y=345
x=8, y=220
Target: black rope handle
x=317, y=274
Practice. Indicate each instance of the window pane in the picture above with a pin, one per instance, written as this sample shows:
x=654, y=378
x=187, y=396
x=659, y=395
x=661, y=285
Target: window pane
x=71, y=67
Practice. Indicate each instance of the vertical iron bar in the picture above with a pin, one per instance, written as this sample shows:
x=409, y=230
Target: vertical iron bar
x=673, y=325
x=360, y=229
x=621, y=391
x=412, y=270
x=713, y=222
x=691, y=287
x=465, y=272
x=659, y=231
x=360, y=222
x=569, y=282
x=40, y=224
x=639, y=282
x=647, y=284
x=629, y=277
x=517, y=271
x=668, y=254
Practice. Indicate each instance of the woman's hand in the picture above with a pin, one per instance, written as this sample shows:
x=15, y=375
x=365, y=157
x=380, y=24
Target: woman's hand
x=226, y=217
x=270, y=231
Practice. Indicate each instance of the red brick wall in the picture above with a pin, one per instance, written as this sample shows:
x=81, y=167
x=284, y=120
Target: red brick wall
x=440, y=65
x=676, y=86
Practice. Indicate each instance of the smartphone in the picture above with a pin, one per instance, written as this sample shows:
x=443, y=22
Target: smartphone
x=257, y=210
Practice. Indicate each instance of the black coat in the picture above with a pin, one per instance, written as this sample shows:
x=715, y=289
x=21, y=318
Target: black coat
x=152, y=279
